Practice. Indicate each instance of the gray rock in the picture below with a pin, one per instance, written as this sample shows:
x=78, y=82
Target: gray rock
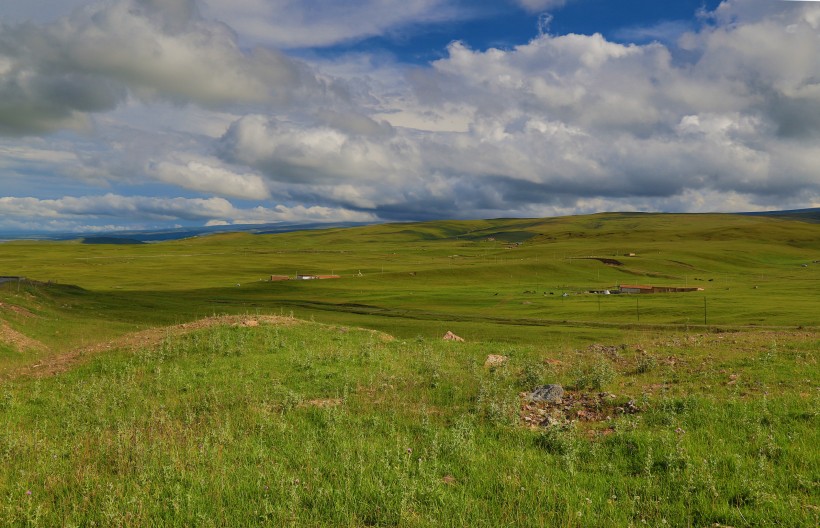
x=547, y=393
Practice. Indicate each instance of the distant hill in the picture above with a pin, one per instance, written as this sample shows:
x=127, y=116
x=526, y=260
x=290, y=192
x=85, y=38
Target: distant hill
x=806, y=215
x=509, y=230
x=112, y=241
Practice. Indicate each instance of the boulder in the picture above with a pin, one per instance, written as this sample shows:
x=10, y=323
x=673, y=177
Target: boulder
x=495, y=360
x=547, y=393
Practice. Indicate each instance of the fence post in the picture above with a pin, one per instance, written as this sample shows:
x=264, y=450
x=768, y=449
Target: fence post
x=704, y=312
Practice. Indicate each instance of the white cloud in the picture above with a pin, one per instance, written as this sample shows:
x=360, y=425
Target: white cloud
x=299, y=214
x=568, y=121
x=53, y=76
x=723, y=117
x=311, y=23
x=71, y=213
x=317, y=154
x=15, y=155
x=210, y=176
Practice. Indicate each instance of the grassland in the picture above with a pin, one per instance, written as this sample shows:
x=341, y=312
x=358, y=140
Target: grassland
x=335, y=402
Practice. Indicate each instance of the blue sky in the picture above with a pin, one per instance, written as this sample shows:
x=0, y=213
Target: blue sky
x=136, y=114
x=498, y=24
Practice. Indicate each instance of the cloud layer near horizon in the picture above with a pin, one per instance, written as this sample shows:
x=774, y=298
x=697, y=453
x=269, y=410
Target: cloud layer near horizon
x=154, y=110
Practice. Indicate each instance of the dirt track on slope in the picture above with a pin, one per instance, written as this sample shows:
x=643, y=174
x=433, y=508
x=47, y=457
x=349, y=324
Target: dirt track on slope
x=18, y=341
x=52, y=365
x=12, y=337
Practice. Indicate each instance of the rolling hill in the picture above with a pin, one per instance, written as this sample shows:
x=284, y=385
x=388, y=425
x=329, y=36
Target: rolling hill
x=175, y=384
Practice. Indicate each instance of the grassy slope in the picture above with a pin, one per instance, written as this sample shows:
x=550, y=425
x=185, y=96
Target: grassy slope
x=311, y=426
x=227, y=425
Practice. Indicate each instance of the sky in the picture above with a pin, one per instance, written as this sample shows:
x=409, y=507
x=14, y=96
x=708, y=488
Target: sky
x=148, y=114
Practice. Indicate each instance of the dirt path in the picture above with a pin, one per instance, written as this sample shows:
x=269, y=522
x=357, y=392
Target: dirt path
x=17, y=340
x=12, y=337
x=52, y=365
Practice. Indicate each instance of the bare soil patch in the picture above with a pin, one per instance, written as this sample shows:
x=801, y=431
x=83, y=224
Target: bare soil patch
x=19, y=310
x=17, y=340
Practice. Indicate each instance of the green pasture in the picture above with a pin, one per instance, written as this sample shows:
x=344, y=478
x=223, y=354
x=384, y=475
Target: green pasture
x=493, y=277
x=353, y=412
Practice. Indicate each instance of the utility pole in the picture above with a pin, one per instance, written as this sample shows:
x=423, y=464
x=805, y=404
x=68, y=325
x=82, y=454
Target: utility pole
x=704, y=311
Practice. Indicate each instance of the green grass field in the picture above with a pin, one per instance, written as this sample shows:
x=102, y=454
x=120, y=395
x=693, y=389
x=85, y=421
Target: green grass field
x=122, y=405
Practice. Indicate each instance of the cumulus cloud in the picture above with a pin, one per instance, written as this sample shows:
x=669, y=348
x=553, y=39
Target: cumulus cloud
x=360, y=149
x=111, y=205
x=210, y=176
x=61, y=211
x=565, y=120
x=724, y=117
x=52, y=166
x=53, y=76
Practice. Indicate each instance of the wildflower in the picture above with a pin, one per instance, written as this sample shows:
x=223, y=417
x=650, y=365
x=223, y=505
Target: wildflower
x=28, y=492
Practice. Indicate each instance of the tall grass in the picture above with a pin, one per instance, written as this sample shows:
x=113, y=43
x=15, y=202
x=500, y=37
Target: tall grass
x=326, y=426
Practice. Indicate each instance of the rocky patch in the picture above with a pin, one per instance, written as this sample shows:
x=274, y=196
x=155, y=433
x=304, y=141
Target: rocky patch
x=571, y=406
x=547, y=393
